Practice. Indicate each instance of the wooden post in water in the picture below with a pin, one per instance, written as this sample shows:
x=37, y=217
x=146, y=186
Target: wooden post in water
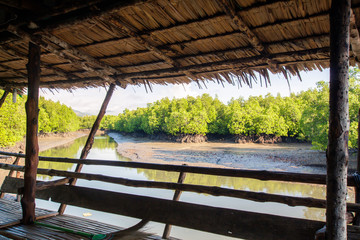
x=2, y=100
x=32, y=146
x=337, y=150
x=176, y=197
x=90, y=139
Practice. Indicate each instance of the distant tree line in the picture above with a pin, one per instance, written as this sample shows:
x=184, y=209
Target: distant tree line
x=53, y=117
x=303, y=116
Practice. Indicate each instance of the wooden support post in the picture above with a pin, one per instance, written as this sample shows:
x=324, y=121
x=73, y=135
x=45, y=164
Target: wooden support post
x=176, y=197
x=2, y=100
x=32, y=146
x=90, y=139
x=357, y=190
x=337, y=150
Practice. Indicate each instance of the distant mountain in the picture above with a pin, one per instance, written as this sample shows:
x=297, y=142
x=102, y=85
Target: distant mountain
x=81, y=114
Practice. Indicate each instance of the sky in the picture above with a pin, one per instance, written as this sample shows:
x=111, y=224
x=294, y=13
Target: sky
x=89, y=101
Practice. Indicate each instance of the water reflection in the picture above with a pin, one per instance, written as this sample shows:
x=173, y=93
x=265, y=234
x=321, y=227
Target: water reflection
x=105, y=148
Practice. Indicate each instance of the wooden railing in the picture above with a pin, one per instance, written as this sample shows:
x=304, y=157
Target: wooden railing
x=217, y=220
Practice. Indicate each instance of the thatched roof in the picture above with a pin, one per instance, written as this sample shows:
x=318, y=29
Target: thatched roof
x=96, y=42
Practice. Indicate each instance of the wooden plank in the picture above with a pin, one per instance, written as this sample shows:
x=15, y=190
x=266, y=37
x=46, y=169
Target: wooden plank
x=16, y=185
x=10, y=213
x=222, y=221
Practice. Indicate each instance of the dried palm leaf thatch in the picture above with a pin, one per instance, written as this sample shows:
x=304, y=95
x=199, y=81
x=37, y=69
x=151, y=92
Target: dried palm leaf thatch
x=169, y=42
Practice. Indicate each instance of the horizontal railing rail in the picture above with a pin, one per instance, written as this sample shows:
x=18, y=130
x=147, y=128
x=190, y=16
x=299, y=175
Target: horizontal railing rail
x=84, y=197
x=215, y=191
x=226, y=172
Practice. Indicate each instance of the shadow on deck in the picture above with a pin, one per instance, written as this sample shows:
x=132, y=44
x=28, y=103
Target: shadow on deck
x=10, y=213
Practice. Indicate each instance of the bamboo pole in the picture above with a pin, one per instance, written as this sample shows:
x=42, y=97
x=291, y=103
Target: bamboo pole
x=32, y=146
x=3, y=98
x=337, y=151
x=90, y=139
x=176, y=197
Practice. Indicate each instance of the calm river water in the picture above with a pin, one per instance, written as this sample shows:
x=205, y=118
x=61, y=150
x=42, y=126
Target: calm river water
x=105, y=148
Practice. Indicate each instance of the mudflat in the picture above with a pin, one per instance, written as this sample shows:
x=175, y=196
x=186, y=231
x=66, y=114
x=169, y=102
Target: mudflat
x=292, y=157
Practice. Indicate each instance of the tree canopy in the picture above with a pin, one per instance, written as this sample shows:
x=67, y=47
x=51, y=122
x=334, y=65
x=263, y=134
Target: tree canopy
x=303, y=116
x=53, y=117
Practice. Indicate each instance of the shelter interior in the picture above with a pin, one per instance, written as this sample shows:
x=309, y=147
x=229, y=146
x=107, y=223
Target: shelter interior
x=94, y=43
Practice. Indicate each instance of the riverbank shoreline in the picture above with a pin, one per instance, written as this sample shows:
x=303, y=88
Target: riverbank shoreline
x=290, y=157
x=46, y=141
x=51, y=140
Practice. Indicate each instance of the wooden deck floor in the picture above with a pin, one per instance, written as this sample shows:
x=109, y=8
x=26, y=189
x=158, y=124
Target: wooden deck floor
x=10, y=213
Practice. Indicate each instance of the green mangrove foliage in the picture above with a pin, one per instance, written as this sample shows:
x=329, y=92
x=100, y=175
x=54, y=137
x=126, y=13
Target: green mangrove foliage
x=303, y=116
x=53, y=117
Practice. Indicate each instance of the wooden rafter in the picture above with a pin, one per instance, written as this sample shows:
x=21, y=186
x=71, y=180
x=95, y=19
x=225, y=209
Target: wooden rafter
x=253, y=39
x=154, y=32
x=236, y=63
x=230, y=11
x=23, y=56
x=198, y=69
x=13, y=71
x=125, y=28
x=122, y=4
x=39, y=41
x=220, y=54
x=70, y=50
x=354, y=37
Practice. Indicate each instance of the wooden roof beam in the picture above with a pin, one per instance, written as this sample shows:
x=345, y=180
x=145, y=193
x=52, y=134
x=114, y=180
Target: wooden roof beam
x=201, y=20
x=295, y=54
x=354, y=37
x=69, y=49
x=218, y=53
x=84, y=65
x=183, y=57
x=23, y=56
x=129, y=30
x=232, y=63
x=236, y=19
x=236, y=63
x=118, y=5
x=173, y=74
x=13, y=71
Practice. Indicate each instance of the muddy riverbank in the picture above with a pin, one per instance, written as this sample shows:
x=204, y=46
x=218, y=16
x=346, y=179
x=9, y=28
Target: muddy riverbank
x=292, y=157
x=46, y=141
